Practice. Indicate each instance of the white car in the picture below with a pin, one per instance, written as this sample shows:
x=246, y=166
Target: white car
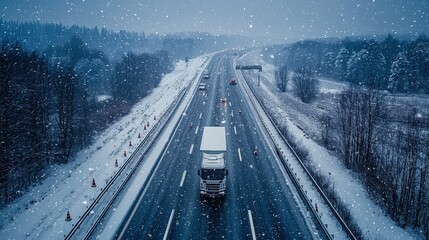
x=202, y=86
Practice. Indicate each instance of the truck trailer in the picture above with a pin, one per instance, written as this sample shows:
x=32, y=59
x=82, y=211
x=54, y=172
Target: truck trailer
x=213, y=171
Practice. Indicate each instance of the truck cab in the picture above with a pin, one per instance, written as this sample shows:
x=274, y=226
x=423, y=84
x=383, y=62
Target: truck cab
x=213, y=170
x=213, y=175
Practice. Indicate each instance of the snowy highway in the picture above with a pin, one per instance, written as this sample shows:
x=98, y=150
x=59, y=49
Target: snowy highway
x=258, y=202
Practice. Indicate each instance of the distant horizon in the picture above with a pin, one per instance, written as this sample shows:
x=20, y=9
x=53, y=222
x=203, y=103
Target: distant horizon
x=272, y=20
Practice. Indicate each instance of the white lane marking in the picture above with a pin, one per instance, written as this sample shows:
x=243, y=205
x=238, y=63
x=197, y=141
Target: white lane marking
x=192, y=148
x=252, y=227
x=232, y=113
x=229, y=104
x=235, y=130
x=168, y=225
x=183, y=178
x=196, y=129
x=239, y=154
x=201, y=115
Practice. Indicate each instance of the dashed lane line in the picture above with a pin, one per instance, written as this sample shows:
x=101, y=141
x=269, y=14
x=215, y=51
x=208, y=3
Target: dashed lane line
x=183, y=178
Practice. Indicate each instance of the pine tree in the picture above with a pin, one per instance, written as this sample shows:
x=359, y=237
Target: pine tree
x=341, y=63
x=399, y=74
x=420, y=66
x=367, y=68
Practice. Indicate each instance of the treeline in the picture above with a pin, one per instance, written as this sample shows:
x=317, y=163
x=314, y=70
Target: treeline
x=136, y=75
x=390, y=64
x=392, y=159
x=40, y=36
x=50, y=103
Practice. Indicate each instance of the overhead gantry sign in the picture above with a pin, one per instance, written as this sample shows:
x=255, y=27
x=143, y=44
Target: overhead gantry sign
x=249, y=67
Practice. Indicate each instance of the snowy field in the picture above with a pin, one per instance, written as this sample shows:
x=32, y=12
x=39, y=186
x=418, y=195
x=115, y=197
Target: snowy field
x=40, y=213
x=302, y=121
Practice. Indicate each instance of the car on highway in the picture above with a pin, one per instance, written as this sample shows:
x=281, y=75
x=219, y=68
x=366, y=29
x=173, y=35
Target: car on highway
x=223, y=99
x=202, y=86
x=206, y=74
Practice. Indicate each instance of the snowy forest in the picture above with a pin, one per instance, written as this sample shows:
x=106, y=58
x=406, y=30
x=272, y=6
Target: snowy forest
x=42, y=36
x=382, y=140
x=399, y=66
x=61, y=85
x=52, y=102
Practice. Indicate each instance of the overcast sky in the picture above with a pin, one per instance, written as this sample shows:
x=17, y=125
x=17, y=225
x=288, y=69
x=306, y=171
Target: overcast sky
x=280, y=19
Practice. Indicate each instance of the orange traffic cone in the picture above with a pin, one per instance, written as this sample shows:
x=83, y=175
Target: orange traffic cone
x=68, y=217
x=93, y=183
x=116, y=162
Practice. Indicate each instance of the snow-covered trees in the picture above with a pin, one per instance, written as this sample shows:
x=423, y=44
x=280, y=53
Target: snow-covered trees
x=64, y=82
x=390, y=48
x=367, y=68
x=355, y=119
x=410, y=70
x=403, y=166
x=327, y=65
x=136, y=75
x=341, y=62
x=48, y=105
x=281, y=77
x=420, y=67
x=392, y=161
x=305, y=54
x=23, y=118
x=367, y=62
x=305, y=85
x=399, y=74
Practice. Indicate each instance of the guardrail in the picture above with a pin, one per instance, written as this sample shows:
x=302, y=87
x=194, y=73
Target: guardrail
x=295, y=181
x=155, y=129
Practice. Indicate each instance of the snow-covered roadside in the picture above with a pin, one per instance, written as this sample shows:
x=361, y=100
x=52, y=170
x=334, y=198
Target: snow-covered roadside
x=370, y=217
x=40, y=213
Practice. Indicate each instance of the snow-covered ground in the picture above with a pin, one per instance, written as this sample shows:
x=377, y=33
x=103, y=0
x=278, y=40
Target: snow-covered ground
x=40, y=213
x=303, y=124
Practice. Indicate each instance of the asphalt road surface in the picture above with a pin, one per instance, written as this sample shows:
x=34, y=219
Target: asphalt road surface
x=258, y=203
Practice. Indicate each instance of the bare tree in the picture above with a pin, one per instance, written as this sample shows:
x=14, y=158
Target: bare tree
x=305, y=86
x=281, y=77
x=326, y=122
x=355, y=119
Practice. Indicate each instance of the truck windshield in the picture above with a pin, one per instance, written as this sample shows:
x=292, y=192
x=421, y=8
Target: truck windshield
x=212, y=174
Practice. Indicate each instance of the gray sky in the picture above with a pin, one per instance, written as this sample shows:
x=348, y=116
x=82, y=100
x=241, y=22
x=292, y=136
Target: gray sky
x=279, y=19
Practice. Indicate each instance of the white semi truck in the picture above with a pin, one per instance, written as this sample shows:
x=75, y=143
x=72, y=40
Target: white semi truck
x=213, y=171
